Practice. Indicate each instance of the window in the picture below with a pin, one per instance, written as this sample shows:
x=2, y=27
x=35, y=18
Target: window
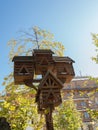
x=86, y=115
x=76, y=105
x=78, y=86
x=68, y=94
x=96, y=100
x=83, y=104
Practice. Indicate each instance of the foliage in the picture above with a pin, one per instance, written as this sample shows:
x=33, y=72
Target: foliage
x=34, y=38
x=67, y=117
x=94, y=112
x=95, y=42
x=19, y=108
x=94, y=116
x=18, y=102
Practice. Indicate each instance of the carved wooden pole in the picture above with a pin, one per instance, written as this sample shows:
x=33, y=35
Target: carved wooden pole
x=49, y=119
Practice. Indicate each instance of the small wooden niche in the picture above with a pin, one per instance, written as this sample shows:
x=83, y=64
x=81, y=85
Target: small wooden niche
x=64, y=68
x=23, y=69
x=43, y=60
x=49, y=92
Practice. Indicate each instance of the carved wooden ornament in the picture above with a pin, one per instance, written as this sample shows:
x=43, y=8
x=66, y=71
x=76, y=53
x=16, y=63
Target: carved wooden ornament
x=23, y=69
x=49, y=91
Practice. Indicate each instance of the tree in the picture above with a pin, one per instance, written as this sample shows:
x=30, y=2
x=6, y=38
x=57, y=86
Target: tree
x=67, y=117
x=95, y=42
x=34, y=38
x=94, y=113
x=19, y=109
x=18, y=104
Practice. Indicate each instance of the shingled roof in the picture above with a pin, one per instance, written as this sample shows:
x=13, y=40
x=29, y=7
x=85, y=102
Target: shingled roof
x=23, y=58
x=62, y=59
x=43, y=51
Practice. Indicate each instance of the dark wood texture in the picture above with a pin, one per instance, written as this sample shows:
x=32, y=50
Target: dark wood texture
x=63, y=68
x=49, y=119
x=54, y=71
x=39, y=63
x=23, y=69
x=49, y=92
x=43, y=61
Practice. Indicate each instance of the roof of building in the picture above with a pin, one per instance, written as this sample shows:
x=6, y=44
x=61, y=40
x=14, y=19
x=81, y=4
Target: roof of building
x=81, y=88
x=23, y=58
x=81, y=83
x=62, y=59
x=80, y=78
x=53, y=76
x=42, y=51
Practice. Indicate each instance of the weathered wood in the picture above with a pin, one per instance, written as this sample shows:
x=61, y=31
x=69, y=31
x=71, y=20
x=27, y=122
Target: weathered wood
x=49, y=91
x=23, y=69
x=64, y=68
x=54, y=70
x=43, y=60
x=29, y=83
x=37, y=80
x=49, y=119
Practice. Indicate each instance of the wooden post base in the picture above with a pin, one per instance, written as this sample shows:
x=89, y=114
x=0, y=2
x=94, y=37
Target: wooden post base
x=49, y=120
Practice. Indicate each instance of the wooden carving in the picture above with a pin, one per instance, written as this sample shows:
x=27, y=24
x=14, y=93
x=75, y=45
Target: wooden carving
x=54, y=71
x=63, y=68
x=49, y=91
x=39, y=63
x=23, y=69
x=43, y=61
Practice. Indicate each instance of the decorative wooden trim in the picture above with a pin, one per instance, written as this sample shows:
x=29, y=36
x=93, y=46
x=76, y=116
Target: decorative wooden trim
x=52, y=76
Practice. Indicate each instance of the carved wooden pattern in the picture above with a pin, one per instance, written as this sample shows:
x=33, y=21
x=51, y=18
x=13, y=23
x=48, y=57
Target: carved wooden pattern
x=49, y=91
x=55, y=72
x=41, y=61
x=23, y=69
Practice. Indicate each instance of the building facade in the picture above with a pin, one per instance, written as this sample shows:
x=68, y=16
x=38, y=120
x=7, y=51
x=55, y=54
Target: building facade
x=85, y=95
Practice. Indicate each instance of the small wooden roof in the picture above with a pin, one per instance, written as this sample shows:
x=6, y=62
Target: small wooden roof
x=43, y=81
x=53, y=76
x=62, y=59
x=23, y=58
x=42, y=51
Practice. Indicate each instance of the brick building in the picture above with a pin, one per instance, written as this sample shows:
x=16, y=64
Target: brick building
x=85, y=95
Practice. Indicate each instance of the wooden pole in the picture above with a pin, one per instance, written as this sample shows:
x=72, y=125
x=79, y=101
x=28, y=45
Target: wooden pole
x=49, y=119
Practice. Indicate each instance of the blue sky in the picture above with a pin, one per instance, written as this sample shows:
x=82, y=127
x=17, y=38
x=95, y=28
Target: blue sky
x=71, y=22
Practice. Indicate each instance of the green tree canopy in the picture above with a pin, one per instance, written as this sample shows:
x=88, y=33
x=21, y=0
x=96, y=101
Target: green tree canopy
x=18, y=103
x=34, y=38
x=95, y=42
x=67, y=117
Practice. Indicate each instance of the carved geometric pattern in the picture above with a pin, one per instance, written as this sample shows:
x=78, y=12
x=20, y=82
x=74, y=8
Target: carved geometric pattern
x=50, y=82
x=23, y=70
x=44, y=61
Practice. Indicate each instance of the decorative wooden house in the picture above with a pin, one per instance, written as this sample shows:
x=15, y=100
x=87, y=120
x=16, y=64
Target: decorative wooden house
x=23, y=69
x=55, y=72
x=43, y=60
x=49, y=92
x=64, y=68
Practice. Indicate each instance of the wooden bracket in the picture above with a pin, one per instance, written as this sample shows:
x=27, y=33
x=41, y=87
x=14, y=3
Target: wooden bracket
x=29, y=84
